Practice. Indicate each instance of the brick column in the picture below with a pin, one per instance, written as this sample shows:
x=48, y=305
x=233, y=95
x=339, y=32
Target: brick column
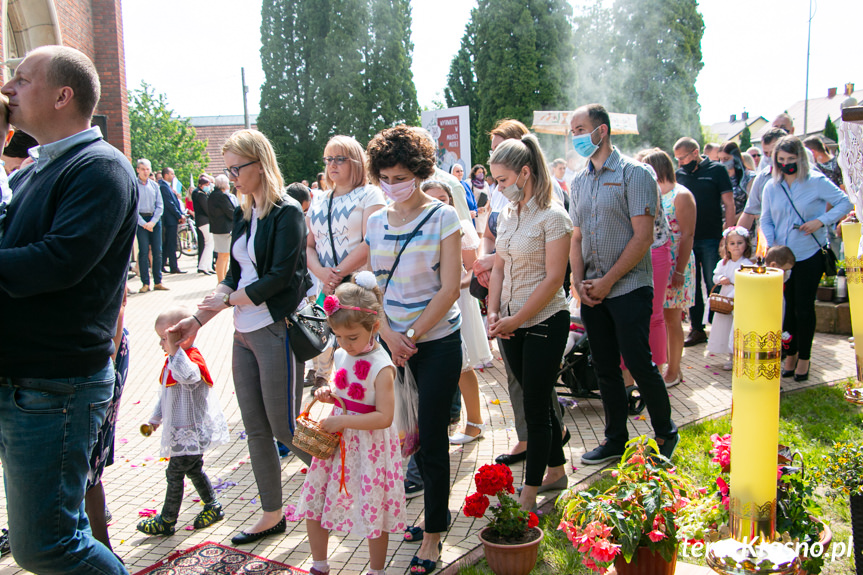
x=110, y=61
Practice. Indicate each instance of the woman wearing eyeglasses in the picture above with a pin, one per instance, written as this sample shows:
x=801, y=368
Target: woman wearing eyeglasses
x=266, y=281
x=337, y=225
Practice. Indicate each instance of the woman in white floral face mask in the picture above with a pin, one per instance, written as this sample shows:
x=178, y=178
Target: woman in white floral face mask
x=415, y=249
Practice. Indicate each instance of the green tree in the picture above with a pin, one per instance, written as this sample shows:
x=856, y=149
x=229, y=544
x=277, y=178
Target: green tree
x=461, y=88
x=830, y=130
x=333, y=67
x=163, y=138
x=745, y=139
x=522, y=61
x=642, y=57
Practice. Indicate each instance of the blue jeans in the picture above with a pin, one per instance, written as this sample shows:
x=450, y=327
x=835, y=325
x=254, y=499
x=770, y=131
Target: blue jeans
x=146, y=240
x=48, y=428
x=706, y=257
x=620, y=326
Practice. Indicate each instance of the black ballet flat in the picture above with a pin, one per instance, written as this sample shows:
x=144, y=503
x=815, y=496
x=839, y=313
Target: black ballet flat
x=801, y=376
x=787, y=373
x=242, y=537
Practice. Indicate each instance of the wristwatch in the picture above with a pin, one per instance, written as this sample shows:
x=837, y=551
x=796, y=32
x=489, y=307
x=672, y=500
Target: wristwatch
x=227, y=299
x=412, y=335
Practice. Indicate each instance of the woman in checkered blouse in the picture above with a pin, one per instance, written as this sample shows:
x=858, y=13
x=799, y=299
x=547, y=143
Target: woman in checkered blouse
x=527, y=308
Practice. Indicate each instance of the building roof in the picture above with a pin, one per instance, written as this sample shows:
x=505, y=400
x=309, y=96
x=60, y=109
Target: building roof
x=215, y=130
x=729, y=130
x=819, y=109
x=201, y=121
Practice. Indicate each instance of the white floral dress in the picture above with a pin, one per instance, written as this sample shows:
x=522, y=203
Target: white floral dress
x=373, y=502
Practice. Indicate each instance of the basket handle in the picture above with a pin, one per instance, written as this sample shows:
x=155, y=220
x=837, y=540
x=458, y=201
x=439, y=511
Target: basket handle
x=308, y=409
x=714, y=288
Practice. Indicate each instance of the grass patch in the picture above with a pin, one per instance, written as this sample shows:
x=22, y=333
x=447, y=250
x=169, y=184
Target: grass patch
x=810, y=422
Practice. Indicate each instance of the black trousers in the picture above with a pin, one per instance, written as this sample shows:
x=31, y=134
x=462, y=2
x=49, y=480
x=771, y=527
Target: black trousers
x=800, y=290
x=534, y=355
x=620, y=326
x=191, y=466
x=169, y=251
x=436, y=368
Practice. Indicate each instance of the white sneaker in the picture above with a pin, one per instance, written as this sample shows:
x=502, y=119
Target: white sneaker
x=728, y=365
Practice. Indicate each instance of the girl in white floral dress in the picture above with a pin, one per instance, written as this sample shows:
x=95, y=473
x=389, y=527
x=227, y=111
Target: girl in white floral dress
x=365, y=494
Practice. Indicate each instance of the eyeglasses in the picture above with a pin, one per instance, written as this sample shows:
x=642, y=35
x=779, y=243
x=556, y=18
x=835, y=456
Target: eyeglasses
x=339, y=160
x=235, y=170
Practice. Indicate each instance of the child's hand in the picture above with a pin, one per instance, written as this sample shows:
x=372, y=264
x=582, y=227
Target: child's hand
x=154, y=426
x=724, y=281
x=324, y=395
x=333, y=424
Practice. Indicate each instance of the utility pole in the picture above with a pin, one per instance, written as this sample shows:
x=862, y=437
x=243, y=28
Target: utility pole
x=806, y=101
x=246, y=102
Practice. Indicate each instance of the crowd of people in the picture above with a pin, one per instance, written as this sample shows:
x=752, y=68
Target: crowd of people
x=406, y=260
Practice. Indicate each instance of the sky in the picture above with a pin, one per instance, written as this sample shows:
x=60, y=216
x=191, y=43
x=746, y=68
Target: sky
x=754, y=52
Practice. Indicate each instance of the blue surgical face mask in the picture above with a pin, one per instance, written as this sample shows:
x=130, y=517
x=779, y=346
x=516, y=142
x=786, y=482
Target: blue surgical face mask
x=584, y=146
x=728, y=165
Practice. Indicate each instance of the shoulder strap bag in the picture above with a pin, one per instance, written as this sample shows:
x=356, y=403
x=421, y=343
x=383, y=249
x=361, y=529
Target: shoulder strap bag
x=330, y=228
x=829, y=255
x=308, y=331
x=408, y=240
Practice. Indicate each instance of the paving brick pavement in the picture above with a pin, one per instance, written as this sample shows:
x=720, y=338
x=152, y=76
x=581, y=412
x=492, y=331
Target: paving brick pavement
x=136, y=481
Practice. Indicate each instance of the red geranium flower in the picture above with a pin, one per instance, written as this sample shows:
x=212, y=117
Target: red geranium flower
x=532, y=520
x=494, y=478
x=475, y=505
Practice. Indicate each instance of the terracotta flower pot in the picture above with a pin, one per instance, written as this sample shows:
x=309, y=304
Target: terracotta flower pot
x=511, y=559
x=645, y=562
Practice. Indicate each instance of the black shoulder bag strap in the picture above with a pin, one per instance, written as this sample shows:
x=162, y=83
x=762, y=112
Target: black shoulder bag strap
x=408, y=240
x=802, y=219
x=330, y=226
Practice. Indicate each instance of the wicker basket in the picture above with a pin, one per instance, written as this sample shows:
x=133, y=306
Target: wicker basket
x=720, y=303
x=310, y=438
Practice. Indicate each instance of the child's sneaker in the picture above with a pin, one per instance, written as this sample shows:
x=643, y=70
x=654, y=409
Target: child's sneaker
x=157, y=526
x=212, y=512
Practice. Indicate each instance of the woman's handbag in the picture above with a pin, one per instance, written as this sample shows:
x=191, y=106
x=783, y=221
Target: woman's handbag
x=720, y=303
x=476, y=289
x=829, y=254
x=308, y=331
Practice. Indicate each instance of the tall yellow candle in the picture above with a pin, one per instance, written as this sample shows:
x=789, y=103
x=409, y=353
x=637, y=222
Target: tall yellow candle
x=854, y=277
x=755, y=402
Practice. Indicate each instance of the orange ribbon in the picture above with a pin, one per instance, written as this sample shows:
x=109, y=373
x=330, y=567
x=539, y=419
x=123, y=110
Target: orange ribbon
x=342, y=484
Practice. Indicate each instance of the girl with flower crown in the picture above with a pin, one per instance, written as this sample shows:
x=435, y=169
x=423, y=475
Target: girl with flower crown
x=736, y=252
x=360, y=491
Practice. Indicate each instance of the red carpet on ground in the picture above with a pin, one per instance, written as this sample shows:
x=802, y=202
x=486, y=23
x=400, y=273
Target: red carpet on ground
x=210, y=558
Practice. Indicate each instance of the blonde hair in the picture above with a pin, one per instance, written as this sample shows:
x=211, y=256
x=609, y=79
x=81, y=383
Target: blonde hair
x=356, y=156
x=172, y=316
x=255, y=146
x=515, y=154
x=349, y=293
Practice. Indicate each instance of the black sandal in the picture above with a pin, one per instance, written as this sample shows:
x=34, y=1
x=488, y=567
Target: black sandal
x=414, y=534
x=424, y=566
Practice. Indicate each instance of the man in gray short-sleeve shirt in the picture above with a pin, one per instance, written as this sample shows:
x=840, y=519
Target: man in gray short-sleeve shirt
x=613, y=207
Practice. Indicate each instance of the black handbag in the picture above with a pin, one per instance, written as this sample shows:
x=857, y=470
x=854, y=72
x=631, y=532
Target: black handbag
x=476, y=289
x=829, y=254
x=308, y=331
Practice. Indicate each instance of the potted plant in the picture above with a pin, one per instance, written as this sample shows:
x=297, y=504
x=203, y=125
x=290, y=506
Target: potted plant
x=511, y=540
x=796, y=509
x=842, y=473
x=632, y=523
x=826, y=288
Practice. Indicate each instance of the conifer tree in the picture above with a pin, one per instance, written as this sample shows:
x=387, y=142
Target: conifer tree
x=333, y=67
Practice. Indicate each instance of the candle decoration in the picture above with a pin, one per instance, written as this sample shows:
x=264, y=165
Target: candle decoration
x=854, y=278
x=755, y=427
